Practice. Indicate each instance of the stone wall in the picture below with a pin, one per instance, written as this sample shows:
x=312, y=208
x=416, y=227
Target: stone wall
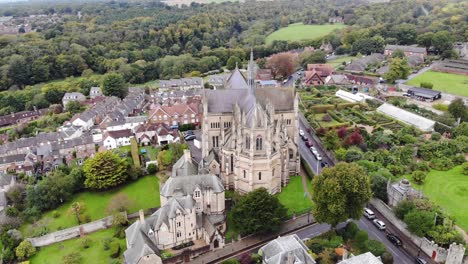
x=71, y=232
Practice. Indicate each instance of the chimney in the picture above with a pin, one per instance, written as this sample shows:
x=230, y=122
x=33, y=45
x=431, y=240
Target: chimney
x=142, y=216
x=291, y=258
x=187, y=156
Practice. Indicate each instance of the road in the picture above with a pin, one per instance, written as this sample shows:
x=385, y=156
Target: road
x=292, y=79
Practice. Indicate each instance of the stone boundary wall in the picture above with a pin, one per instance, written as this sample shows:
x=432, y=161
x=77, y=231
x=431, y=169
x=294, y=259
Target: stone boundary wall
x=71, y=232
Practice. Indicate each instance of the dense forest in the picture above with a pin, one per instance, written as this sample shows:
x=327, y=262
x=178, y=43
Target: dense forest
x=147, y=40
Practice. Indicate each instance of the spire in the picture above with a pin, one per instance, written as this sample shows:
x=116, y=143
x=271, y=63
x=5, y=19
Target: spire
x=250, y=71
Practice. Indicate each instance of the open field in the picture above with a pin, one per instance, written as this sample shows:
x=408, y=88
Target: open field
x=339, y=61
x=143, y=193
x=293, y=196
x=299, y=31
x=94, y=254
x=445, y=82
x=449, y=189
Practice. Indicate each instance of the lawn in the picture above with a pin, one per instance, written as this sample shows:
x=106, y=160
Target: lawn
x=94, y=254
x=299, y=31
x=318, y=118
x=294, y=197
x=339, y=61
x=449, y=189
x=143, y=194
x=445, y=82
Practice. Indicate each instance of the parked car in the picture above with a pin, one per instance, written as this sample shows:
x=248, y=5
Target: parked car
x=379, y=224
x=419, y=260
x=368, y=213
x=318, y=156
x=314, y=150
x=190, y=137
x=394, y=239
x=188, y=132
x=309, y=143
x=301, y=132
x=324, y=164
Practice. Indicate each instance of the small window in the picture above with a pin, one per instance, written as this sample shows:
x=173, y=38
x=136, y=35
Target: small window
x=197, y=194
x=245, y=174
x=260, y=176
x=178, y=224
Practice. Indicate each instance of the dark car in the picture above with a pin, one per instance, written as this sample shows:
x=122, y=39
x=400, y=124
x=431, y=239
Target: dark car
x=324, y=164
x=394, y=239
x=190, y=137
x=419, y=260
x=309, y=143
x=188, y=132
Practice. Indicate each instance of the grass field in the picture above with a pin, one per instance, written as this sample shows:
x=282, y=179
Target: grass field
x=143, y=194
x=299, y=31
x=339, y=61
x=318, y=118
x=94, y=254
x=293, y=196
x=449, y=189
x=445, y=82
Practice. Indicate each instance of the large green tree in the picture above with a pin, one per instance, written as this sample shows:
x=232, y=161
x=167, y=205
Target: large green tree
x=113, y=84
x=399, y=69
x=104, y=171
x=419, y=222
x=340, y=193
x=458, y=109
x=258, y=212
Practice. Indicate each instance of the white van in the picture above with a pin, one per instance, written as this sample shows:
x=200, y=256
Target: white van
x=368, y=213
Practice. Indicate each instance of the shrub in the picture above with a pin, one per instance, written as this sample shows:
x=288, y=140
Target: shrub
x=321, y=131
x=72, y=258
x=426, y=85
x=387, y=258
x=403, y=208
x=360, y=239
x=152, y=168
x=396, y=170
x=350, y=231
x=55, y=214
x=441, y=164
x=114, y=248
x=465, y=168
x=326, y=118
x=340, y=154
x=440, y=107
x=106, y=243
x=458, y=159
x=25, y=250
x=353, y=154
x=436, y=136
x=85, y=218
x=419, y=222
x=11, y=211
x=418, y=176
x=85, y=242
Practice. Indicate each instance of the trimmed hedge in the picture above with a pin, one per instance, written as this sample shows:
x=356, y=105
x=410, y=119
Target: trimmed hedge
x=335, y=116
x=135, y=154
x=320, y=109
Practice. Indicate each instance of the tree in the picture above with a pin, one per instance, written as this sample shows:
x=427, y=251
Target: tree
x=418, y=176
x=311, y=57
x=379, y=188
x=50, y=192
x=119, y=203
x=458, y=109
x=331, y=140
x=72, y=258
x=399, y=69
x=402, y=208
x=73, y=107
x=281, y=65
x=419, y=222
x=54, y=94
x=442, y=41
x=375, y=247
x=113, y=84
x=461, y=130
x=77, y=209
x=232, y=62
x=152, y=168
x=25, y=250
x=105, y=170
x=19, y=70
x=340, y=193
x=325, y=256
x=258, y=212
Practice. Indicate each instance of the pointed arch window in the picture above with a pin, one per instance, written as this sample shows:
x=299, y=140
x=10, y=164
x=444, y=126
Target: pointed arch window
x=259, y=143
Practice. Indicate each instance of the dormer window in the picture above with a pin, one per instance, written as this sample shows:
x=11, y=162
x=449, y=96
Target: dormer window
x=197, y=194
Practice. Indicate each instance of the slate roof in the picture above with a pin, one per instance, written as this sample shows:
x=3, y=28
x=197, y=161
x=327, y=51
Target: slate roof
x=406, y=48
x=140, y=244
x=322, y=70
x=120, y=133
x=15, y=117
x=278, y=250
x=169, y=211
x=184, y=167
x=173, y=83
x=6, y=179
x=367, y=258
x=361, y=64
x=236, y=81
x=186, y=185
x=218, y=79
x=424, y=91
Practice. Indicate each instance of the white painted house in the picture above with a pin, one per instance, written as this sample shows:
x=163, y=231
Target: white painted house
x=115, y=139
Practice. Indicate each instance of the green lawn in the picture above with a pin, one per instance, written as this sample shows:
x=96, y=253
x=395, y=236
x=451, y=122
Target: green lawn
x=143, y=194
x=339, y=61
x=299, y=31
x=449, y=189
x=293, y=196
x=318, y=118
x=445, y=82
x=94, y=254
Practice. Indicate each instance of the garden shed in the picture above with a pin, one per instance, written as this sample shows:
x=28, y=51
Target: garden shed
x=406, y=117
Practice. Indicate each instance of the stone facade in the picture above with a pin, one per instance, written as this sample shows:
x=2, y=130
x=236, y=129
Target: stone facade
x=254, y=133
